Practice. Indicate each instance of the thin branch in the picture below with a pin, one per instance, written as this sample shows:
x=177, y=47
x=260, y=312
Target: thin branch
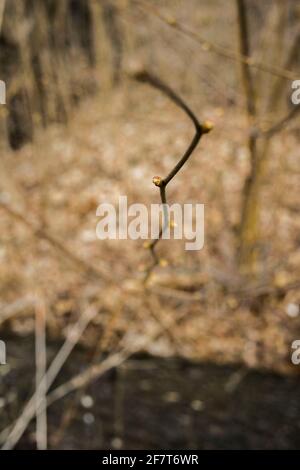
x=2, y=10
x=162, y=183
x=8, y=312
x=80, y=380
x=247, y=230
x=87, y=269
x=90, y=374
x=39, y=232
x=261, y=289
x=280, y=125
x=41, y=367
x=209, y=46
x=35, y=401
x=290, y=60
x=245, y=50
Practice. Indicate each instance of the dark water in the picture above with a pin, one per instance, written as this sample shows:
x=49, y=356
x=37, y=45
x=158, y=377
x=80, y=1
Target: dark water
x=160, y=404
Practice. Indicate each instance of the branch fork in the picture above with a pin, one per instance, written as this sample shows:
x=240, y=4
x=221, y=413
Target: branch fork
x=144, y=76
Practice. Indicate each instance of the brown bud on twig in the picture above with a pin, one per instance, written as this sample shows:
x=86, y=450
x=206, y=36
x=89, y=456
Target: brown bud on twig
x=207, y=126
x=143, y=76
x=157, y=180
x=171, y=21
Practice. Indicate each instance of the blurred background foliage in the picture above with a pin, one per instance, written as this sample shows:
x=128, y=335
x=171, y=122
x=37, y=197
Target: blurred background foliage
x=77, y=131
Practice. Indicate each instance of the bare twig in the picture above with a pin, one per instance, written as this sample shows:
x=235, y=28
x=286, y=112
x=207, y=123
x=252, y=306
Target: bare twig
x=267, y=289
x=2, y=10
x=249, y=223
x=248, y=228
x=90, y=374
x=41, y=367
x=289, y=62
x=280, y=125
x=96, y=370
x=85, y=267
x=162, y=183
x=35, y=401
x=177, y=294
x=81, y=380
x=8, y=312
x=208, y=46
x=245, y=51
x=39, y=232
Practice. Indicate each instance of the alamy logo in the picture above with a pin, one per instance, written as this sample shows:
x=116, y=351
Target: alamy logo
x=164, y=221
x=2, y=353
x=2, y=92
x=295, y=358
x=296, y=94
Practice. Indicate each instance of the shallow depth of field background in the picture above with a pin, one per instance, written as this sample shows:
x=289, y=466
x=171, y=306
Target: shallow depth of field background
x=200, y=355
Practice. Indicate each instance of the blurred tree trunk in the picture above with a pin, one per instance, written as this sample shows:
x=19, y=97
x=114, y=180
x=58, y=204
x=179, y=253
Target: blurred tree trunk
x=264, y=107
x=113, y=29
x=249, y=219
x=48, y=49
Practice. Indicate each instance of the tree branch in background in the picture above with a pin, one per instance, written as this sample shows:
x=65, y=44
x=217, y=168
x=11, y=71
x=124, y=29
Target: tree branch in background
x=258, y=149
x=244, y=43
x=248, y=225
x=36, y=402
x=2, y=10
x=279, y=83
x=89, y=270
x=41, y=368
x=209, y=46
x=279, y=126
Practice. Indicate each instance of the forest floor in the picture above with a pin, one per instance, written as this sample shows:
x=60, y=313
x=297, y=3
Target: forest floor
x=113, y=146
x=124, y=408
